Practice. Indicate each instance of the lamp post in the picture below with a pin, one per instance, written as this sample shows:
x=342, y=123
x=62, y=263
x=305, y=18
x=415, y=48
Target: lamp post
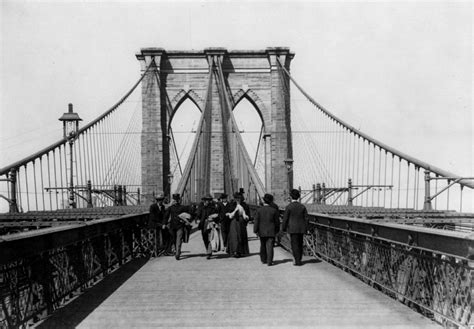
x=289, y=169
x=70, y=121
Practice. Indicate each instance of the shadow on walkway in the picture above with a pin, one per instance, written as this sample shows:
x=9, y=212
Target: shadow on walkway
x=73, y=313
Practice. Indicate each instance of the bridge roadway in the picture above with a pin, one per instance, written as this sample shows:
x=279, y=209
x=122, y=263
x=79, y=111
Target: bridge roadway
x=233, y=292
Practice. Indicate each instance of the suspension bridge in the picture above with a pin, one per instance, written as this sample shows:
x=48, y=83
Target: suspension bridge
x=78, y=209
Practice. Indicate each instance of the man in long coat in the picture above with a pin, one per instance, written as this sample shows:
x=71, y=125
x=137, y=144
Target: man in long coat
x=207, y=213
x=295, y=222
x=224, y=207
x=178, y=223
x=266, y=226
x=158, y=222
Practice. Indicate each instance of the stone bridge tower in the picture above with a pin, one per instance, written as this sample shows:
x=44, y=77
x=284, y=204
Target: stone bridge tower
x=254, y=75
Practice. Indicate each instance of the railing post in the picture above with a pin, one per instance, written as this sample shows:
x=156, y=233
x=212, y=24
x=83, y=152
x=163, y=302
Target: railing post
x=314, y=194
x=115, y=195
x=13, y=201
x=89, y=194
x=318, y=193
x=427, y=204
x=299, y=189
x=323, y=196
x=124, y=190
x=138, y=196
x=119, y=195
x=349, y=192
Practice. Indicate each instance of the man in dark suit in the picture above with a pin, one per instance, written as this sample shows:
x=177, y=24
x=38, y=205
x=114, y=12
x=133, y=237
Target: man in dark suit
x=177, y=222
x=295, y=222
x=158, y=222
x=224, y=207
x=266, y=226
x=207, y=213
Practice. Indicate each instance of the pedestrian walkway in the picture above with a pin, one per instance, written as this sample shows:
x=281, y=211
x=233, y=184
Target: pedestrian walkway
x=241, y=292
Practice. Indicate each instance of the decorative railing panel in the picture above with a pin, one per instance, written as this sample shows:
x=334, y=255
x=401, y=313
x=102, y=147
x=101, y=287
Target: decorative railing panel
x=41, y=270
x=429, y=270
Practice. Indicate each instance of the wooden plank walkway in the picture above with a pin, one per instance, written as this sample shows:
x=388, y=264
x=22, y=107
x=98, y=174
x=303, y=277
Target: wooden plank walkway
x=239, y=292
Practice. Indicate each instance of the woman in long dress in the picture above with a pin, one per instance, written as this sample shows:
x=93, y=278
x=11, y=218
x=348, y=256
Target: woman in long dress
x=237, y=244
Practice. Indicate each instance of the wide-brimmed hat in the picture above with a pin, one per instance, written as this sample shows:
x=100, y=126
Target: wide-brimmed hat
x=176, y=196
x=223, y=196
x=160, y=196
x=207, y=197
x=185, y=215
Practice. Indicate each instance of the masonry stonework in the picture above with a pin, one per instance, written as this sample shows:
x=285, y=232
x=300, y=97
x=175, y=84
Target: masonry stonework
x=253, y=75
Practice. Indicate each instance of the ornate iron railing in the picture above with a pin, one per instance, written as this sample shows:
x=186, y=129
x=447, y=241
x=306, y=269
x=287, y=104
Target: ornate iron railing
x=42, y=270
x=431, y=271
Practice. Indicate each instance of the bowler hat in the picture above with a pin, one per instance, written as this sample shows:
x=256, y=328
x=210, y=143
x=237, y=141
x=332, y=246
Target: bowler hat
x=295, y=194
x=223, y=196
x=268, y=198
x=176, y=196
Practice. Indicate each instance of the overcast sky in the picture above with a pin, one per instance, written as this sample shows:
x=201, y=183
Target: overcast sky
x=399, y=71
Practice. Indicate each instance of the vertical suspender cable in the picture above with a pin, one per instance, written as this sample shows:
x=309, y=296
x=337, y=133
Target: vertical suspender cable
x=415, y=195
x=399, y=177
x=76, y=169
x=391, y=181
x=34, y=179
x=61, y=174
x=408, y=183
x=27, y=189
x=20, y=190
x=374, y=149
x=55, y=178
x=447, y=194
x=42, y=182
x=79, y=160
x=96, y=153
x=385, y=179
x=363, y=169
x=353, y=162
x=49, y=183
x=379, y=177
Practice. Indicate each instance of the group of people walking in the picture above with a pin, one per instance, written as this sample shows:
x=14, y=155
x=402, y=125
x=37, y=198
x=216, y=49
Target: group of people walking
x=223, y=225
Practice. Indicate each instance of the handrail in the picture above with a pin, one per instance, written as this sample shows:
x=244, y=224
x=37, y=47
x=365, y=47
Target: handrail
x=381, y=145
x=5, y=170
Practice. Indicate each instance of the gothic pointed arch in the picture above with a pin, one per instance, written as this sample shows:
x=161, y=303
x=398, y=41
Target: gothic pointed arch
x=181, y=96
x=253, y=98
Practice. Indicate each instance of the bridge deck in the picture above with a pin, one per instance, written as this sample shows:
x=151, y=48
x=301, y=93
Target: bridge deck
x=230, y=292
